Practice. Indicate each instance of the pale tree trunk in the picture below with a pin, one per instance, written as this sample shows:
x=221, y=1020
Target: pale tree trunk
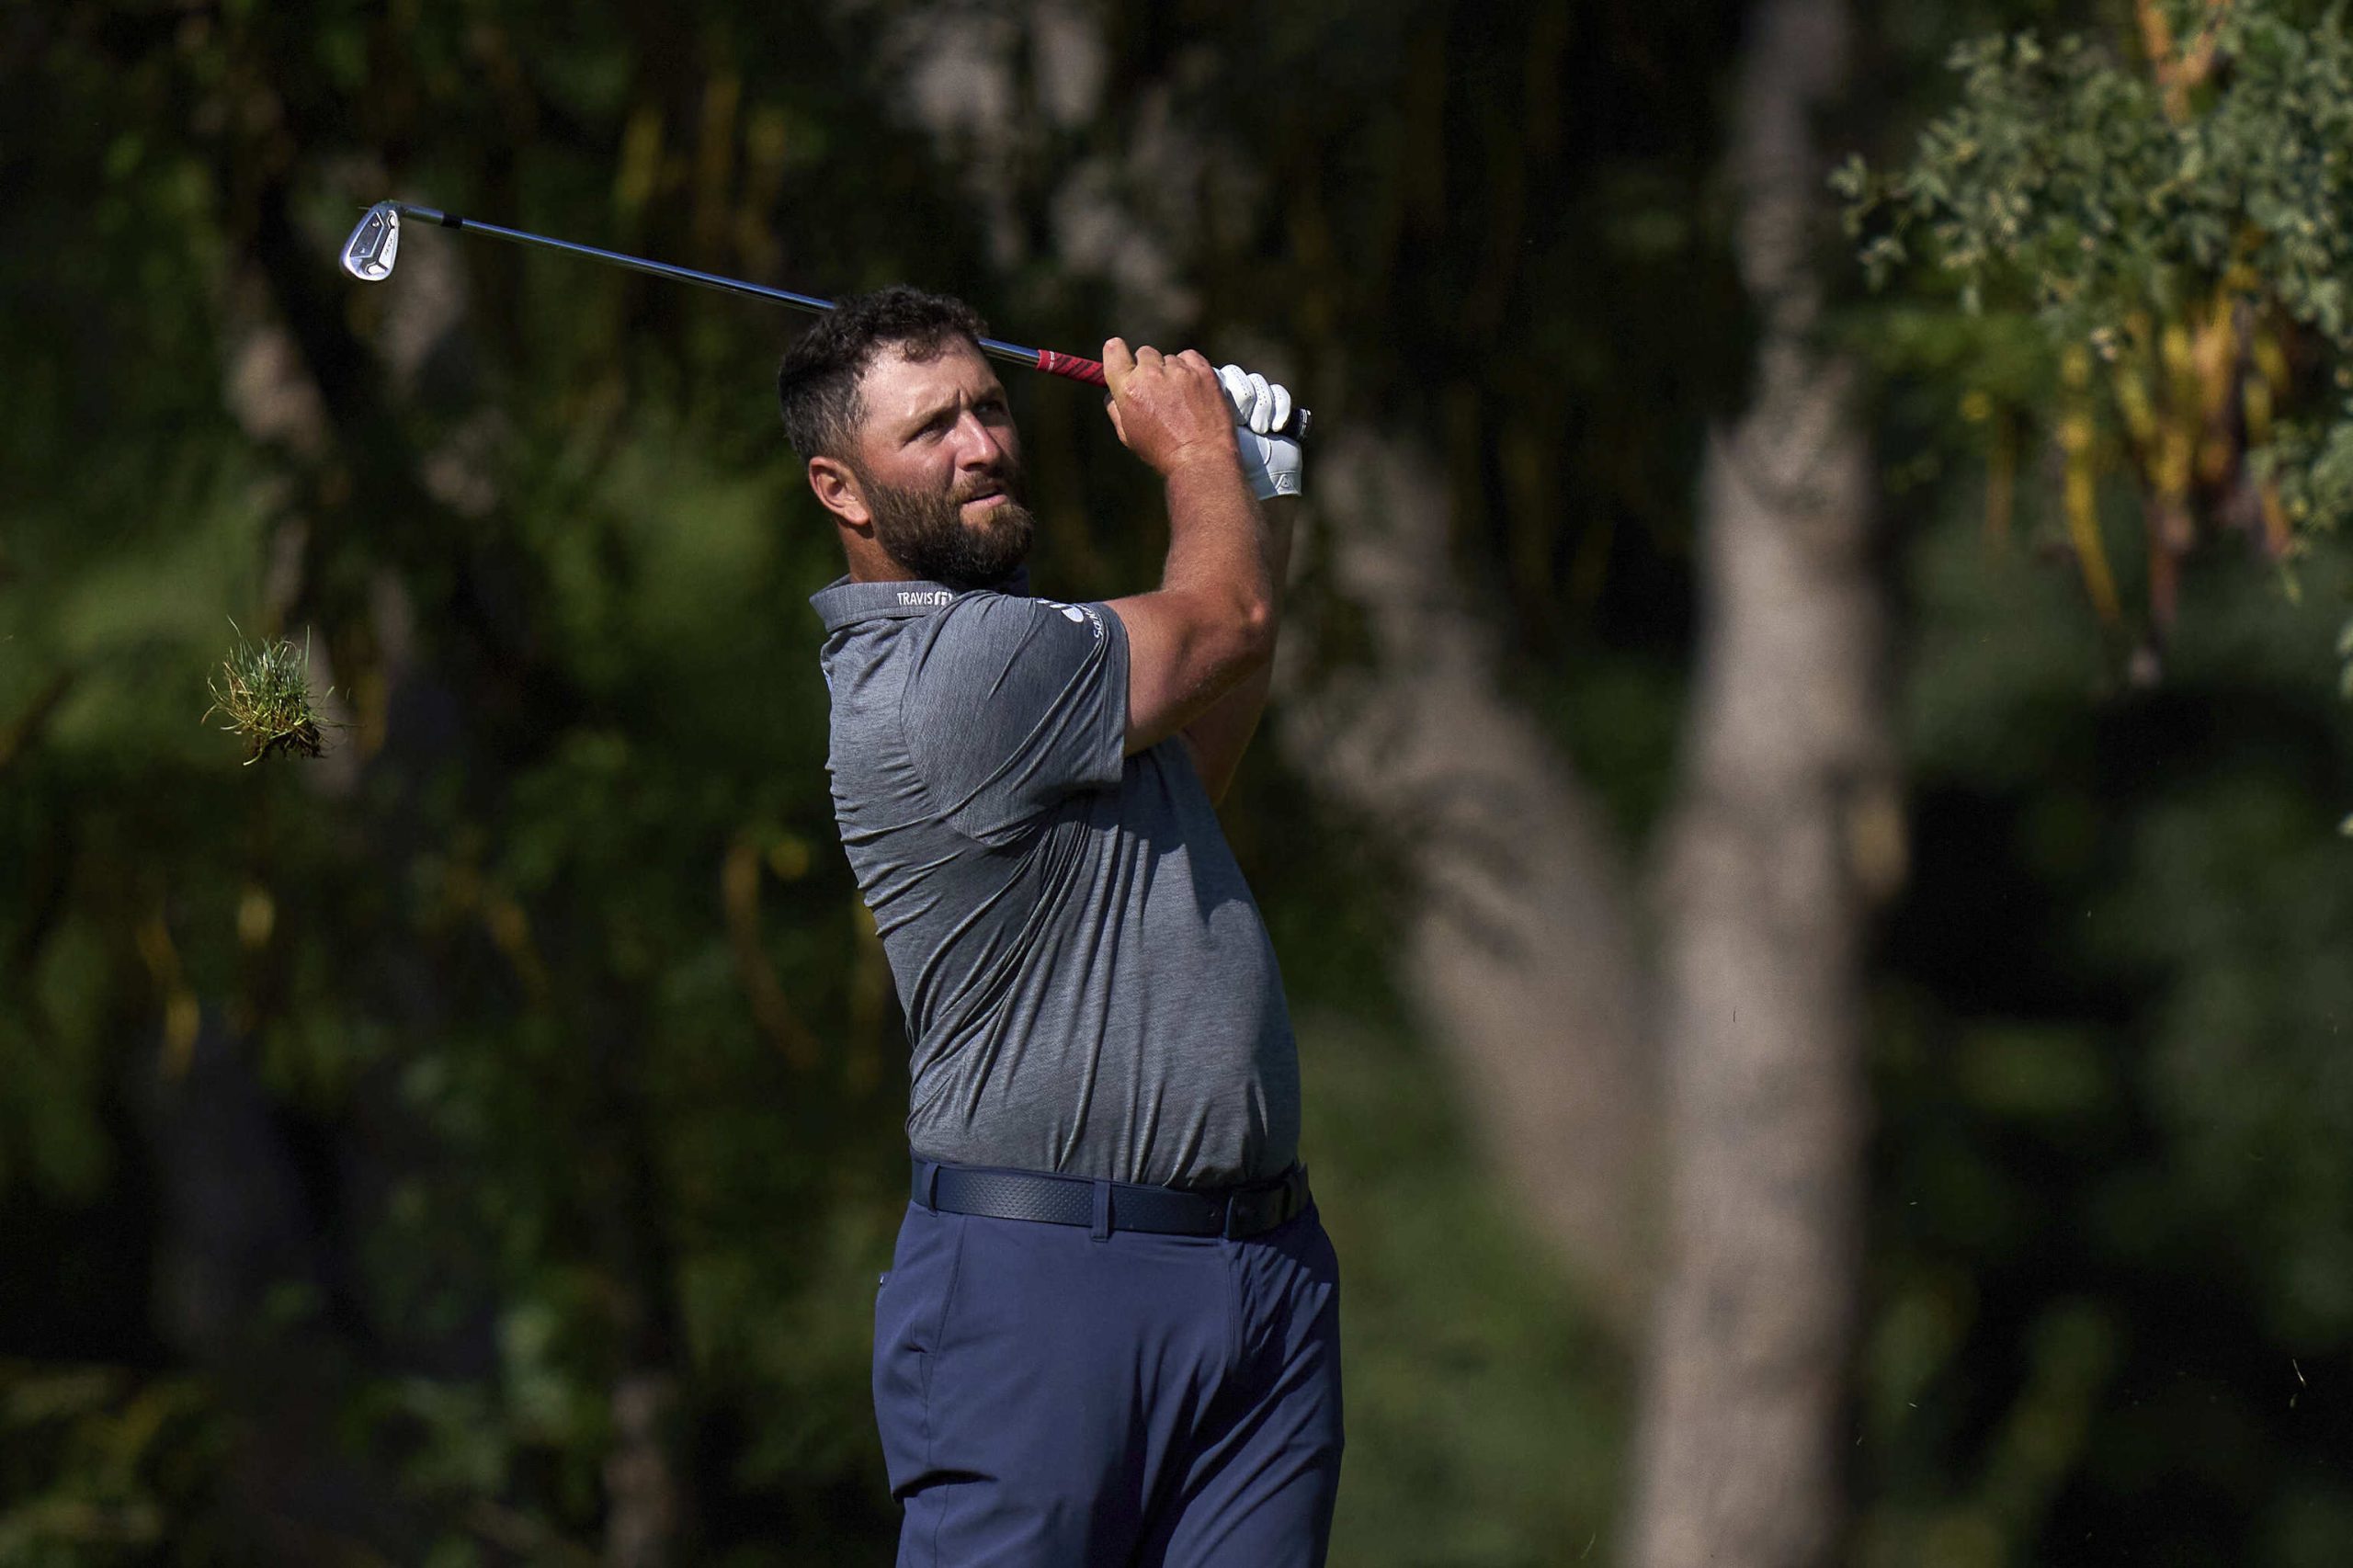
x=1520, y=953
x=644, y=1506
x=1784, y=831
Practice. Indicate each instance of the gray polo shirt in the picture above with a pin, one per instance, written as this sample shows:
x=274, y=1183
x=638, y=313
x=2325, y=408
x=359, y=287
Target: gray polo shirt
x=1087, y=985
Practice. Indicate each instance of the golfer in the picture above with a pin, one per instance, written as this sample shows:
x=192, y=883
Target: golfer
x=1109, y=1333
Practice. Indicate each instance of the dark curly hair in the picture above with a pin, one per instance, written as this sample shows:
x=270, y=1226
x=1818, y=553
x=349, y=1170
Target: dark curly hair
x=817, y=384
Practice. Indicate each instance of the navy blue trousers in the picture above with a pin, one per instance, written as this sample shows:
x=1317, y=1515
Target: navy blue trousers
x=1052, y=1399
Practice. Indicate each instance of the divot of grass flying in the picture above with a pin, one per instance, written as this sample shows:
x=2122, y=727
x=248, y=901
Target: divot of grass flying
x=265, y=690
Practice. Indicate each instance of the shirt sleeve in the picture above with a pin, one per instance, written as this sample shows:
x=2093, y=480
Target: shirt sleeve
x=1013, y=705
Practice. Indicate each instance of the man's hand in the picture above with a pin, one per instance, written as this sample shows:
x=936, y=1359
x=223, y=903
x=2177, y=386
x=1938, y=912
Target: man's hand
x=1169, y=410
x=1270, y=462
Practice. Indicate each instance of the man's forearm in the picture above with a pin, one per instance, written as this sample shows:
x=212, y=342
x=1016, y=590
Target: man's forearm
x=1198, y=645
x=1218, y=539
x=1209, y=625
x=1220, y=736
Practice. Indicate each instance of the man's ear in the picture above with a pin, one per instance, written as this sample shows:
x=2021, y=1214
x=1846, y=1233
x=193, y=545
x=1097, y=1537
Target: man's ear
x=837, y=490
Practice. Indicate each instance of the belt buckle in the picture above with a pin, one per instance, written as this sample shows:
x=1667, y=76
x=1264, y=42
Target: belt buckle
x=1248, y=1207
x=1233, y=1213
x=1284, y=1198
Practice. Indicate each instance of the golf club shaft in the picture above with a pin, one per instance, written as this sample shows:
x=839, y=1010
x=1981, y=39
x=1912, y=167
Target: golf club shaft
x=1072, y=366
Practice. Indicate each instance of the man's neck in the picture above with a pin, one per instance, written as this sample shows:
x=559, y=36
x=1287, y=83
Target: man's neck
x=1014, y=582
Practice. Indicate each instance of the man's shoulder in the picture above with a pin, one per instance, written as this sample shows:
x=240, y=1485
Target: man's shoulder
x=900, y=651
x=948, y=662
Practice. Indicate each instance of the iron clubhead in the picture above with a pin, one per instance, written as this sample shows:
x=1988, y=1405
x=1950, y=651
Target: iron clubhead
x=375, y=245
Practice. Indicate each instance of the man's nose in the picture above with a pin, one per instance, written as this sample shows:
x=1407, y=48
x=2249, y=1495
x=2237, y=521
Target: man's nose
x=976, y=444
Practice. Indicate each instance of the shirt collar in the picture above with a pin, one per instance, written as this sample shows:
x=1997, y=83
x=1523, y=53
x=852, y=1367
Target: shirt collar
x=842, y=602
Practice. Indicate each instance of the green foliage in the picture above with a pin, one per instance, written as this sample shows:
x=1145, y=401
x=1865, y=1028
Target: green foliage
x=98, y=1467
x=2061, y=184
x=2180, y=231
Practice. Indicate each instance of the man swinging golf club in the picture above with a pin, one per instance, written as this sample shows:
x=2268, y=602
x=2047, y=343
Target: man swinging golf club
x=1109, y=1333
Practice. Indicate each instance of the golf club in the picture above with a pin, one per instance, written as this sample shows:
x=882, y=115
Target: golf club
x=375, y=245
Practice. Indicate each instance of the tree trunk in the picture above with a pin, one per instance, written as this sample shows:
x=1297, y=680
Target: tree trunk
x=1521, y=955
x=644, y=1508
x=1784, y=833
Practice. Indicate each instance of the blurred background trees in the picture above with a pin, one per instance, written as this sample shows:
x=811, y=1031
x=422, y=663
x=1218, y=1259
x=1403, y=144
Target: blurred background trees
x=475, y=1147
x=2149, y=258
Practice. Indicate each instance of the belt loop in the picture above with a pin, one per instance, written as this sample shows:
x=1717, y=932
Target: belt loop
x=931, y=1184
x=1101, y=1231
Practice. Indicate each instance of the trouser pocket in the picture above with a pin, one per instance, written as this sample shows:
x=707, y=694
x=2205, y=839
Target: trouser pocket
x=911, y=1301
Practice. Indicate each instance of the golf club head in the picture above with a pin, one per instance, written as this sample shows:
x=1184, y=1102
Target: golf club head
x=375, y=245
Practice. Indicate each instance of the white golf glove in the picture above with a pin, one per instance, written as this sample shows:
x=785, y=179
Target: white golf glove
x=1270, y=462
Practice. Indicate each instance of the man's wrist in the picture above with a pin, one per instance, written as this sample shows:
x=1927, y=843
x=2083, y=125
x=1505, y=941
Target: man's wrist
x=1211, y=457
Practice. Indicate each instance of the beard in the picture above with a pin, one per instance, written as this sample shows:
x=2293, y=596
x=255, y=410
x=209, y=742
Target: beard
x=926, y=532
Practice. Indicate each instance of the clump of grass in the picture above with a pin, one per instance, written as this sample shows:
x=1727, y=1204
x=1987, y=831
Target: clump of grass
x=265, y=690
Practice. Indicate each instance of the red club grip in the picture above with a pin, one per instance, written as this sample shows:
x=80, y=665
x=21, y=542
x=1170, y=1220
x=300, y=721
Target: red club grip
x=1071, y=365
x=1091, y=372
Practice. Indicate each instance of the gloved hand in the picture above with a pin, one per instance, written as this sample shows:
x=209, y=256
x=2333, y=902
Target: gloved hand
x=1270, y=463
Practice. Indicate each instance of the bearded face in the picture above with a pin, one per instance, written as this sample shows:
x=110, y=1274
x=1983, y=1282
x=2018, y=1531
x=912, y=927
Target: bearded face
x=927, y=531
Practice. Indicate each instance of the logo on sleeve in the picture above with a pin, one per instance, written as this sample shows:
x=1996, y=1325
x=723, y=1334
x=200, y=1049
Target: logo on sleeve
x=1077, y=615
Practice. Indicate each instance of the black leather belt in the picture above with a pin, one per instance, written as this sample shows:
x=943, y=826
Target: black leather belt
x=1106, y=1205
